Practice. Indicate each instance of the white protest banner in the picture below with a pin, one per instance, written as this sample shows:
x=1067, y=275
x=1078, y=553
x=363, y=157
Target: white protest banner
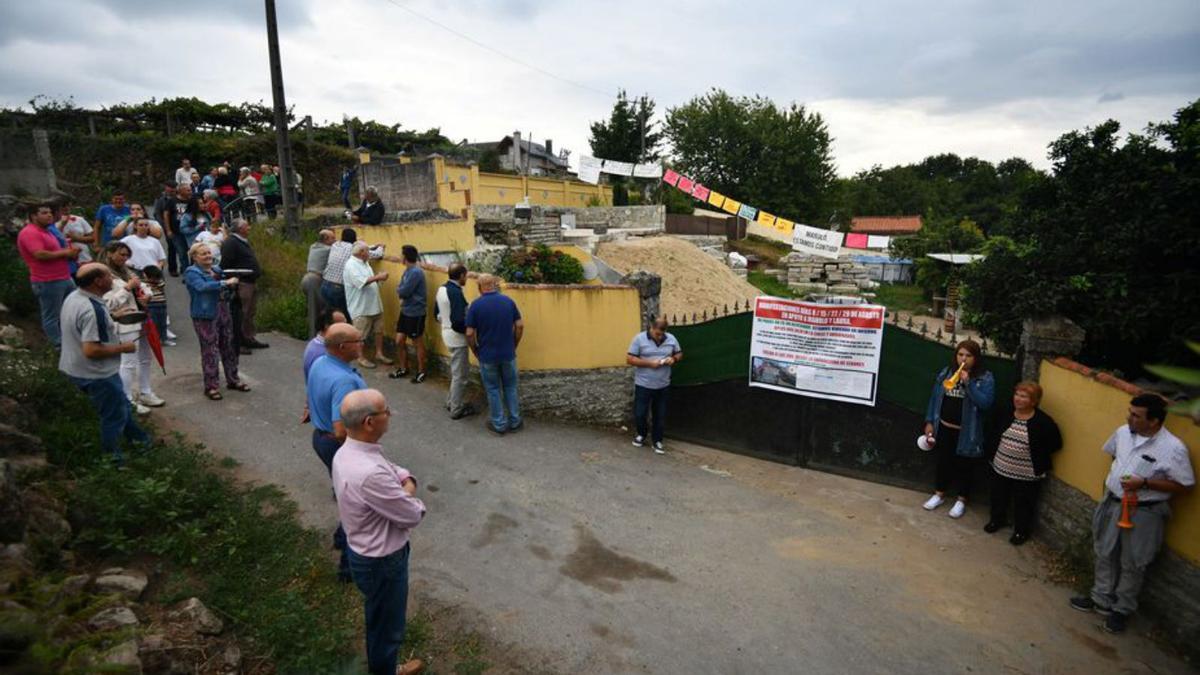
x=878, y=241
x=817, y=350
x=617, y=168
x=648, y=170
x=815, y=241
x=589, y=169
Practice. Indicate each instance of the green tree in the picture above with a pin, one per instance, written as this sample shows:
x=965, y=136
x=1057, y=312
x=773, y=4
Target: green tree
x=1108, y=240
x=774, y=158
x=938, y=235
x=621, y=137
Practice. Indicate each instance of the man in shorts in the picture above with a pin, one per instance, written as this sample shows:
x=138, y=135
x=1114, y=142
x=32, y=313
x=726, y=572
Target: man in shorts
x=411, y=324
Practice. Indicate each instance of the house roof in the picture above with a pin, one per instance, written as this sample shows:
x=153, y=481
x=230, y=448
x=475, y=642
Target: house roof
x=886, y=224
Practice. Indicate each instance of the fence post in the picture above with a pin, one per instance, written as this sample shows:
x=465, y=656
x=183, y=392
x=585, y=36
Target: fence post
x=1045, y=337
x=649, y=288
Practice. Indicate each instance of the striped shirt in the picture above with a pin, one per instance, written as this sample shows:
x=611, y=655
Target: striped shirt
x=1012, y=458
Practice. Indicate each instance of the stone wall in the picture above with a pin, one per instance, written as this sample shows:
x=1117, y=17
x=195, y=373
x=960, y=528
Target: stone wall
x=612, y=217
x=814, y=274
x=25, y=164
x=402, y=187
x=602, y=396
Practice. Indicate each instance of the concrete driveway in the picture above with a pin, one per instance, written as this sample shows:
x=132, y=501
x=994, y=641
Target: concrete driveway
x=587, y=555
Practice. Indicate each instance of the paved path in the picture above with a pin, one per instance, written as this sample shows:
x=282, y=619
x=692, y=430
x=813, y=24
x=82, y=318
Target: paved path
x=591, y=556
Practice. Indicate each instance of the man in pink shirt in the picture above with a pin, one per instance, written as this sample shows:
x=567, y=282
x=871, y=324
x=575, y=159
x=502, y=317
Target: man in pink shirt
x=48, y=260
x=378, y=510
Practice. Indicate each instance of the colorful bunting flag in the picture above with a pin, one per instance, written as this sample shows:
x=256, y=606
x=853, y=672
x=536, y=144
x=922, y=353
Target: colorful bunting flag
x=617, y=168
x=856, y=241
x=878, y=241
x=716, y=198
x=589, y=169
x=671, y=178
x=648, y=170
x=784, y=225
x=685, y=184
x=748, y=212
x=766, y=219
x=700, y=192
x=731, y=206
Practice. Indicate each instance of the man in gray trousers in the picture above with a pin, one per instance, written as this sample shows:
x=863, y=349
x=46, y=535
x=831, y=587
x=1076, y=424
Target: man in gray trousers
x=450, y=310
x=1153, y=463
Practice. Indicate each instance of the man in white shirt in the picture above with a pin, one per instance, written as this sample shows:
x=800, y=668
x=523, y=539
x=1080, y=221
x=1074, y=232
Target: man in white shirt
x=450, y=309
x=183, y=175
x=1152, y=463
x=362, y=297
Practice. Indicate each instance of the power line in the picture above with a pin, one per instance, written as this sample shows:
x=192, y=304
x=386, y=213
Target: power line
x=477, y=43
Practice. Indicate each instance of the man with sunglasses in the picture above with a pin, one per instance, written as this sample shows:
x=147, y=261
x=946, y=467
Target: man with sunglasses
x=331, y=378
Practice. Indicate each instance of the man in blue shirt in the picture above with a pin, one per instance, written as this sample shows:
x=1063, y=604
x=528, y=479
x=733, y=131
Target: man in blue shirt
x=652, y=354
x=411, y=324
x=329, y=380
x=107, y=217
x=494, y=329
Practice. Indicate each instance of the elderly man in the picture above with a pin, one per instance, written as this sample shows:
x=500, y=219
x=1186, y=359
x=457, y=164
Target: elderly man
x=371, y=211
x=652, y=354
x=362, y=297
x=378, y=507
x=49, y=262
x=329, y=380
x=91, y=357
x=333, y=289
x=238, y=254
x=450, y=309
x=1152, y=463
x=318, y=258
x=494, y=329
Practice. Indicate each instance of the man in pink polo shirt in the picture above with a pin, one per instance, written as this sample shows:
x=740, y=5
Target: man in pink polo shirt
x=378, y=511
x=49, y=266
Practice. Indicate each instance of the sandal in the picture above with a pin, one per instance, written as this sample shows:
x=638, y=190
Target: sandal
x=239, y=386
x=213, y=395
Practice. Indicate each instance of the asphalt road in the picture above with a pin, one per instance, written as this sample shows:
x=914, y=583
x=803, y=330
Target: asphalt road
x=587, y=555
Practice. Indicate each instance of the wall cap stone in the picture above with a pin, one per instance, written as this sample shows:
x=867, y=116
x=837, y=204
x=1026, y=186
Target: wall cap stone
x=1101, y=377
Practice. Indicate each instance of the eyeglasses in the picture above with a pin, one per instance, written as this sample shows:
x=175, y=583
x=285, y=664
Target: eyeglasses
x=385, y=411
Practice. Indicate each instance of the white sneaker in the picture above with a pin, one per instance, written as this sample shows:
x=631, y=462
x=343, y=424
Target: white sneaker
x=171, y=335
x=639, y=441
x=151, y=400
x=658, y=448
x=933, y=502
x=139, y=408
x=959, y=508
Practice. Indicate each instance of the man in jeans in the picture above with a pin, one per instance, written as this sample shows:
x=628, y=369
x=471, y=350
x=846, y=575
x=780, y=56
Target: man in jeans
x=652, y=354
x=377, y=504
x=91, y=357
x=494, y=330
x=451, y=312
x=49, y=263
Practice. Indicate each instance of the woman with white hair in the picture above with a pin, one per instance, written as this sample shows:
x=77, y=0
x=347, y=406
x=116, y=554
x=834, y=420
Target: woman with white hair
x=210, y=317
x=251, y=191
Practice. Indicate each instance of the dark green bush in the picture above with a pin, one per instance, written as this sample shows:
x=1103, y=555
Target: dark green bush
x=540, y=265
x=15, y=292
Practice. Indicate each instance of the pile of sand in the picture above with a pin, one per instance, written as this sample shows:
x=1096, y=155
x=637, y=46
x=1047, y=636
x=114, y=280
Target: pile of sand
x=692, y=280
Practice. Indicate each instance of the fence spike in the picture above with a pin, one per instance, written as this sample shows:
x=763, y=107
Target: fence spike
x=910, y=321
x=983, y=345
x=727, y=309
x=693, y=317
x=940, y=337
x=924, y=329
x=704, y=317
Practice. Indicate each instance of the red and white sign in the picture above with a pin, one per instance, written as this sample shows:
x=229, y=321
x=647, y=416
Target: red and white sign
x=818, y=350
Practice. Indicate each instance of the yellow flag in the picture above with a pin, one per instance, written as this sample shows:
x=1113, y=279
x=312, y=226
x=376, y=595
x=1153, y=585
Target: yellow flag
x=716, y=198
x=784, y=225
x=731, y=206
x=766, y=219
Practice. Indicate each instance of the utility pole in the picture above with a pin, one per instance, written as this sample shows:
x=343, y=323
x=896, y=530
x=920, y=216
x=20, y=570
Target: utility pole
x=283, y=145
x=349, y=132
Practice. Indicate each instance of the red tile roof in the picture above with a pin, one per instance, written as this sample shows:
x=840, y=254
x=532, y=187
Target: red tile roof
x=886, y=224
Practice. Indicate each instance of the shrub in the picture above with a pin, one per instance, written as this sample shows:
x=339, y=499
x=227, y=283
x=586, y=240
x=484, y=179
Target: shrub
x=284, y=311
x=15, y=292
x=540, y=265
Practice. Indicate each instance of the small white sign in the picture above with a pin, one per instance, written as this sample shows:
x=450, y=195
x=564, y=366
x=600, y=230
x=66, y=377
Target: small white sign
x=815, y=241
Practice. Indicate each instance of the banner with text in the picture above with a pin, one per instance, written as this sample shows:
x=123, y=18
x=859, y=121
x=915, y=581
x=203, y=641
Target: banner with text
x=817, y=350
x=815, y=241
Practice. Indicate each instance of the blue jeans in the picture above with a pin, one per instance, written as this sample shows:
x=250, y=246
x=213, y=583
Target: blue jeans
x=646, y=403
x=326, y=446
x=335, y=298
x=384, y=585
x=177, y=252
x=500, y=379
x=158, y=314
x=50, y=296
x=116, y=413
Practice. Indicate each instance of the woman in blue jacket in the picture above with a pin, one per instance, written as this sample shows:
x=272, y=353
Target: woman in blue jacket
x=210, y=316
x=954, y=422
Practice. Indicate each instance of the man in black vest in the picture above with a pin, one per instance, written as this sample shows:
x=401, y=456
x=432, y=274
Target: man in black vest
x=237, y=254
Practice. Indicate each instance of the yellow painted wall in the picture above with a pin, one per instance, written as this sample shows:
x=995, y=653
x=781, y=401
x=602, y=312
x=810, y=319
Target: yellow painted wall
x=1088, y=412
x=455, y=180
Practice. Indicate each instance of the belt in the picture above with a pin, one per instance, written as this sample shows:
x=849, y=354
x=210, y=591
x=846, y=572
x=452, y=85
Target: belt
x=325, y=434
x=1141, y=502
x=332, y=283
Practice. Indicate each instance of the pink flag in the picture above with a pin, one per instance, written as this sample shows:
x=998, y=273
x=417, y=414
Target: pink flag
x=670, y=177
x=856, y=241
x=685, y=184
x=700, y=192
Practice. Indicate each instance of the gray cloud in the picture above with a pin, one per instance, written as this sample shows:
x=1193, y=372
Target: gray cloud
x=1111, y=97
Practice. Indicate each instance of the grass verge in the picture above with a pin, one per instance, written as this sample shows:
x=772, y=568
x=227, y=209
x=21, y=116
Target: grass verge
x=281, y=305
x=902, y=298
x=769, y=285
x=769, y=250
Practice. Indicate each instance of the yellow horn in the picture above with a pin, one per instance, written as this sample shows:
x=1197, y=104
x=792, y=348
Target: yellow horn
x=952, y=381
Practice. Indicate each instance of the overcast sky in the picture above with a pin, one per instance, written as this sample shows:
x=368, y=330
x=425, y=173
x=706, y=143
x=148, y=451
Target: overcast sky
x=895, y=81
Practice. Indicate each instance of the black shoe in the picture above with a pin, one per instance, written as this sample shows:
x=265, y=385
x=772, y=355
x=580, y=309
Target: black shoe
x=398, y=373
x=255, y=344
x=518, y=426
x=245, y=351
x=418, y=378
x=1017, y=539
x=993, y=526
x=174, y=273
x=1086, y=604
x=494, y=430
x=465, y=411
x=1115, y=623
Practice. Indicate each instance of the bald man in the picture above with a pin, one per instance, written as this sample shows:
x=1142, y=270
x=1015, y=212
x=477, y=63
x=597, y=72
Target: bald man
x=377, y=506
x=330, y=379
x=91, y=357
x=318, y=257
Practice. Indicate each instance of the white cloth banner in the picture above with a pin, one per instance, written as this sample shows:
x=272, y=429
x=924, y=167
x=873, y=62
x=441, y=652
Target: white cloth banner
x=648, y=170
x=815, y=241
x=589, y=169
x=878, y=241
x=817, y=350
x=617, y=168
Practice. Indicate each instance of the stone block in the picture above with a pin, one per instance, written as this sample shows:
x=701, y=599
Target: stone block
x=127, y=583
x=600, y=396
x=112, y=619
x=201, y=619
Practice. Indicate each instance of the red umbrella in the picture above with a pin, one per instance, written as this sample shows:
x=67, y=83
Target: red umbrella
x=155, y=341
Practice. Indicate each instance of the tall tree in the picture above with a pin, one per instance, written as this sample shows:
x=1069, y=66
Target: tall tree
x=777, y=159
x=630, y=134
